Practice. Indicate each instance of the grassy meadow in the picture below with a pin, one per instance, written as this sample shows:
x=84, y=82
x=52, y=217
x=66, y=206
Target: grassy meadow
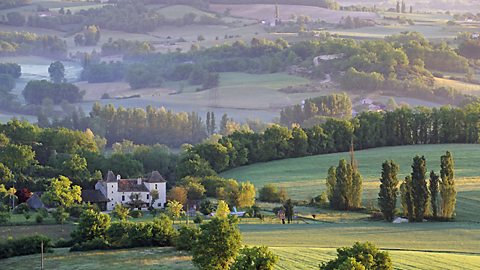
x=240, y=95
x=141, y=258
x=305, y=177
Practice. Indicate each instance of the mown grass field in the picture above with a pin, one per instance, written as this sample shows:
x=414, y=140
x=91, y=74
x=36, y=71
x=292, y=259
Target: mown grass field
x=438, y=245
x=141, y=258
x=240, y=95
x=467, y=88
x=304, y=178
x=310, y=258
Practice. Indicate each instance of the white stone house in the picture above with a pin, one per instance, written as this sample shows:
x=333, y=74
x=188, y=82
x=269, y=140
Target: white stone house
x=119, y=191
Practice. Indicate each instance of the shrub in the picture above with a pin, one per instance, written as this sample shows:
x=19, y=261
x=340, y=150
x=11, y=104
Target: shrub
x=117, y=234
x=186, y=238
x=120, y=212
x=94, y=244
x=159, y=232
x=360, y=256
x=24, y=246
x=27, y=215
x=255, y=258
x=207, y=207
x=270, y=193
x=198, y=219
x=77, y=209
x=136, y=214
x=4, y=217
x=60, y=215
x=39, y=218
x=21, y=209
x=91, y=225
x=163, y=231
x=43, y=212
x=140, y=234
x=62, y=243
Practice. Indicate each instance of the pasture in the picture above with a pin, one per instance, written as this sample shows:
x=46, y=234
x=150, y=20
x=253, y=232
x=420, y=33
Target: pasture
x=467, y=88
x=142, y=258
x=304, y=178
x=240, y=95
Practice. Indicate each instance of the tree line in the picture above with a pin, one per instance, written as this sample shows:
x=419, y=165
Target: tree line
x=335, y=105
x=401, y=64
x=25, y=43
x=403, y=126
x=35, y=92
x=32, y=156
x=422, y=195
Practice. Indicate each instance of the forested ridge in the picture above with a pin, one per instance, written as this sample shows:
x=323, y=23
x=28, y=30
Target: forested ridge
x=400, y=65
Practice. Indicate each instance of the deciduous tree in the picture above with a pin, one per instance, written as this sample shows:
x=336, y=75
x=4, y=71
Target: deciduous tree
x=62, y=193
x=218, y=244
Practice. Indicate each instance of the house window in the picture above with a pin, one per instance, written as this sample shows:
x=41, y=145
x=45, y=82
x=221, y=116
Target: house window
x=159, y=204
x=123, y=198
x=112, y=186
x=148, y=196
x=156, y=186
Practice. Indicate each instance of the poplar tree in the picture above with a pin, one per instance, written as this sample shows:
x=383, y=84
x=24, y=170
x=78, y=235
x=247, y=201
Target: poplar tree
x=343, y=186
x=212, y=122
x=447, y=185
x=434, y=181
x=407, y=199
x=331, y=181
x=387, y=197
x=357, y=182
x=208, y=124
x=419, y=188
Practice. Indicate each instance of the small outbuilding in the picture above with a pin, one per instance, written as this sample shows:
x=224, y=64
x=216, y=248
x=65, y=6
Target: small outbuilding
x=35, y=202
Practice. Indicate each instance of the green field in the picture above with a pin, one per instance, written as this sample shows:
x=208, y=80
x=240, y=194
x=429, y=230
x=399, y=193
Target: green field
x=305, y=177
x=310, y=258
x=441, y=245
x=143, y=258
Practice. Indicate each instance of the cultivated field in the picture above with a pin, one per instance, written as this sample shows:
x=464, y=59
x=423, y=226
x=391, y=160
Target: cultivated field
x=266, y=12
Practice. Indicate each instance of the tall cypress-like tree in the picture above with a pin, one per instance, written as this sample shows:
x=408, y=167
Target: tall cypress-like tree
x=404, y=7
x=357, y=180
x=331, y=181
x=343, y=186
x=398, y=7
x=212, y=123
x=223, y=124
x=357, y=188
x=407, y=199
x=434, y=181
x=447, y=185
x=208, y=124
x=387, y=197
x=419, y=187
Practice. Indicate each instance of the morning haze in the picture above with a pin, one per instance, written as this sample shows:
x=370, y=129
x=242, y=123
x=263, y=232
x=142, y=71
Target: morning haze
x=239, y=134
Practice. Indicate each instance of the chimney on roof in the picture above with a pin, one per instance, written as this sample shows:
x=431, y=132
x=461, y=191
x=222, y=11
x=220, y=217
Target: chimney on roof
x=118, y=177
x=139, y=181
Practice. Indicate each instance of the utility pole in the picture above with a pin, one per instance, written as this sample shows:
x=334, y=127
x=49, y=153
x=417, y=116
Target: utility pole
x=41, y=256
